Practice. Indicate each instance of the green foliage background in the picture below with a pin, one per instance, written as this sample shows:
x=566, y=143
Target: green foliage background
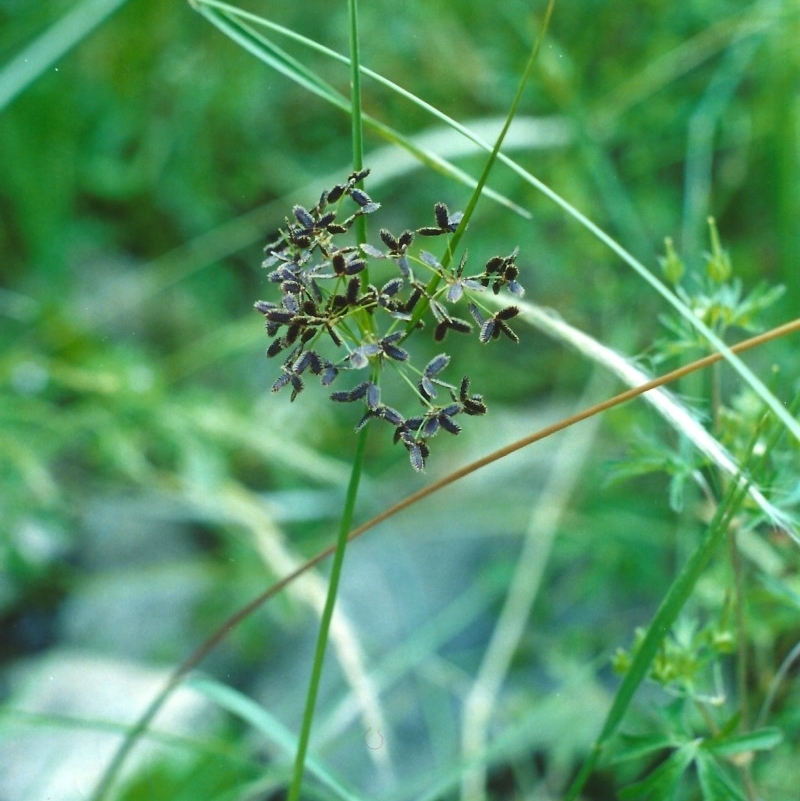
x=141, y=174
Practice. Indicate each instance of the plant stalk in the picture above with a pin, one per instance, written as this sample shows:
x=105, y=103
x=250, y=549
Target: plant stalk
x=358, y=460
x=327, y=617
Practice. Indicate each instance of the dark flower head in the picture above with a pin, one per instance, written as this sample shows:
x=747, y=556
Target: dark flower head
x=329, y=317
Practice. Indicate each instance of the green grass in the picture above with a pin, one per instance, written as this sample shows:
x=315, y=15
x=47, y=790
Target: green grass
x=145, y=159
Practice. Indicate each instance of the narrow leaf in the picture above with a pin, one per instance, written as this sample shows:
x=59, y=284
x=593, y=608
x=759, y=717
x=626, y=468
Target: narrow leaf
x=270, y=727
x=715, y=785
x=662, y=783
x=759, y=740
x=634, y=746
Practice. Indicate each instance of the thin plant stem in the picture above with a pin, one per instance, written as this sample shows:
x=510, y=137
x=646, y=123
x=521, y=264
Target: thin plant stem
x=512, y=112
x=452, y=244
x=739, y=618
x=358, y=460
x=357, y=123
x=325, y=621
x=792, y=657
x=196, y=657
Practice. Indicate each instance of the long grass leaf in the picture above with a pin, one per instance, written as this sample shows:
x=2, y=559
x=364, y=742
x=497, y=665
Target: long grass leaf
x=453, y=242
x=498, y=142
x=357, y=128
x=274, y=56
x=666, y=615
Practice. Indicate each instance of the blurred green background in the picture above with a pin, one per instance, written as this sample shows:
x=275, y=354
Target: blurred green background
x=149, y=482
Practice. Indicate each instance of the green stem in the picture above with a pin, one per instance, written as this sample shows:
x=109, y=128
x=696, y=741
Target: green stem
x=512, y=112
x=741, y=632
x=358, y=461
x=452, y=244
x=357, y=123
x=327, y=616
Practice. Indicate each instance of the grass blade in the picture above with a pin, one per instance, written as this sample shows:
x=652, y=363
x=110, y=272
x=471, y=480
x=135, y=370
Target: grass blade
x=358, y=461
x=59, y=39
x=260, y=719
x=666, y=615
x=667, y=405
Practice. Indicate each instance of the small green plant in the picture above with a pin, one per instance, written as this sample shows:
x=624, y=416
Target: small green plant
x=678, y=747
x=326, y=300
x=714, y=295
x=708, y=725
x=687, y=663
x=701, y=727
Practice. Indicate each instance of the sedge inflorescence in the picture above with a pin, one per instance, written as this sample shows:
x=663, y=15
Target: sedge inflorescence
x=331, y=320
